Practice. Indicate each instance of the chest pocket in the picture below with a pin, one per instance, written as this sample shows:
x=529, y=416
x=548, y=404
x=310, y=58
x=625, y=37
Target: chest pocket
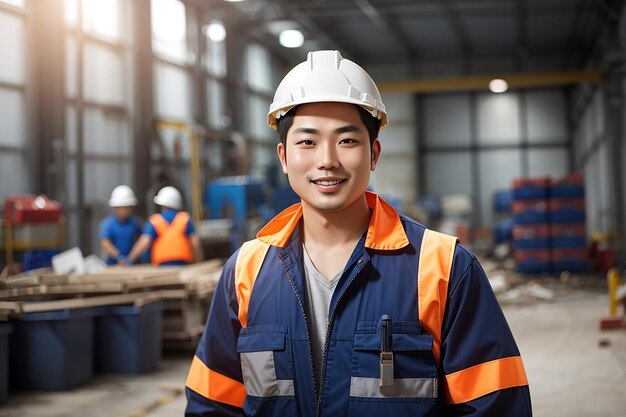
x=266, y=361
x=414, y=391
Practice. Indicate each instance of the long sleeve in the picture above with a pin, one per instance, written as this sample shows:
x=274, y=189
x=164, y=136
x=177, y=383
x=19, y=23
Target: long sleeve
x=483, y=370
x=214, y=384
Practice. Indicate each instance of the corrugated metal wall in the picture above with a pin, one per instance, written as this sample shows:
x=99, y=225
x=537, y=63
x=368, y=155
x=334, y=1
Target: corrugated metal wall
x=471, y=143
x=16, y=156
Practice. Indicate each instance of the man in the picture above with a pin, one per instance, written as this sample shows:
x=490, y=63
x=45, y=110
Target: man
x=171, y=233
x=120, y=230
x=342, y=307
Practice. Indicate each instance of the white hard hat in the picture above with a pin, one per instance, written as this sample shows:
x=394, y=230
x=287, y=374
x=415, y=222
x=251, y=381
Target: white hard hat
x=169, y=197
x=122, y=196
x=327, y=77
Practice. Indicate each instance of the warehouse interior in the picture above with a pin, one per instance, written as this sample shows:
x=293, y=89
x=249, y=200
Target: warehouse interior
x=506, y=128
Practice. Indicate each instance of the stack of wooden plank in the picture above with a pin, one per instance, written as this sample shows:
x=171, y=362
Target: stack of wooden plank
x=186, y=290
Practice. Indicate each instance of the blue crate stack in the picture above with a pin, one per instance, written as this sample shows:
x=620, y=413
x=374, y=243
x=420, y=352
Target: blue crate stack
x=530, y=231
x=568, y=229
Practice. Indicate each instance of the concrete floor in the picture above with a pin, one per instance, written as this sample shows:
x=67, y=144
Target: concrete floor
x=570, y=374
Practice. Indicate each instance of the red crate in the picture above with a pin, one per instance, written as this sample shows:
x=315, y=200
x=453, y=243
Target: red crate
x=568, y=230
x=570, y=254
x=533, y=182
x=522, y=206
x=531, y=231
x=575, y=178
x=537, y=255
x=566, y=204
x=31, y=209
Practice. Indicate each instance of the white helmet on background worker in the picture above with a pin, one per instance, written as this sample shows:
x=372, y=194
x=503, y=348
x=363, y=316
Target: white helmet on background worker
x=122, y=196
x=169, y=197
x=327, y=77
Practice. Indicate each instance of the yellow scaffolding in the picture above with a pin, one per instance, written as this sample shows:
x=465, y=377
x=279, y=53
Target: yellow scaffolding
x=193, y=131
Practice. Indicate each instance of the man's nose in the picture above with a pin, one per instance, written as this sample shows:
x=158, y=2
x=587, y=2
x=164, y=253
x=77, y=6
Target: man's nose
x=327, y=157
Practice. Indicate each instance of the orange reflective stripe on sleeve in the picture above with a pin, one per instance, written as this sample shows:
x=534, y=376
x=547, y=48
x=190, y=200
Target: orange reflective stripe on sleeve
x=215, y=386
x=435, y=264
x=476, y=381
x=249, y=261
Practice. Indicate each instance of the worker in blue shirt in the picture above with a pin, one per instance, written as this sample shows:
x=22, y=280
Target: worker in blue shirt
x=120, y=230
x=171, y=233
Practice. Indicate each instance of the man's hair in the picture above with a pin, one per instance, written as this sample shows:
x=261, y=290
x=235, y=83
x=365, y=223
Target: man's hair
x=372, y=124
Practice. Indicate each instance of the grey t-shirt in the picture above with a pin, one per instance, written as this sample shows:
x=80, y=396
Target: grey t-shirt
x=319, y=292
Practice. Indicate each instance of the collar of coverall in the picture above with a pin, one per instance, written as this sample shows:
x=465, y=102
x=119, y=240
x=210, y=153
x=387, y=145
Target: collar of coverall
x=385, y=231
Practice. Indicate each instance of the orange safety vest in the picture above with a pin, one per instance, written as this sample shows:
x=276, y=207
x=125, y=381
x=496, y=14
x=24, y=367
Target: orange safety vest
x=171, y=243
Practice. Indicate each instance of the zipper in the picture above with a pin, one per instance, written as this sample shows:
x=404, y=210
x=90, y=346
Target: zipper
x=326, y=342
x=306, y=322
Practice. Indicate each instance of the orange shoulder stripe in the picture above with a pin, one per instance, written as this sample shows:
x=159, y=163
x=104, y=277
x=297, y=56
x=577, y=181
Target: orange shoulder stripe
x=215, y=386
x=247, y=267
x=435, y=264
x=474, y=382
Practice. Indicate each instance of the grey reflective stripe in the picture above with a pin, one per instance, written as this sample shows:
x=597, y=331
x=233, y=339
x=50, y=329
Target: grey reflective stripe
x=259, y=375
x=402, y=387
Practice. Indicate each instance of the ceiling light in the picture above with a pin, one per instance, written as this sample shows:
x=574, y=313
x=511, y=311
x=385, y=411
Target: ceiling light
x=498, y=85
x=291, y=38
x=215, y=31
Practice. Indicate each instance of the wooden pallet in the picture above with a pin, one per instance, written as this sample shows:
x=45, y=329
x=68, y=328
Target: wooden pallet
x=186, y=290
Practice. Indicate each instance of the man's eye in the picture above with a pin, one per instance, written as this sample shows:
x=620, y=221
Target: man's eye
x=306, y=142
x=348, y=141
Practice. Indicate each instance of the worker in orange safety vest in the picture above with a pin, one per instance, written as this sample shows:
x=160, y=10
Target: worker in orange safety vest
x=171, y=233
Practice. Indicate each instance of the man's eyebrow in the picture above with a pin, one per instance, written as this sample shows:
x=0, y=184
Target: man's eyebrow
x=339, y=130
x=348, y=129
x=306, y=130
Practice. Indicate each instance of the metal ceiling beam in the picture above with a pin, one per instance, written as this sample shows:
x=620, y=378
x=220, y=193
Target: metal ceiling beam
x=482, y=8
x=385, y=23
x=324, y=31
x=521, y=49
x=481, y=82
x=454, y=20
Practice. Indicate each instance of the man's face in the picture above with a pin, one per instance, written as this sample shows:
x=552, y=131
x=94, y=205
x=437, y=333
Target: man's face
x=123, y=213
x=327, y=155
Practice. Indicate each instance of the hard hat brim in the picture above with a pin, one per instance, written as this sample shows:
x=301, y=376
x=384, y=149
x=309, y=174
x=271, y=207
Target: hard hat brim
x=287, y=107
x=131, y=202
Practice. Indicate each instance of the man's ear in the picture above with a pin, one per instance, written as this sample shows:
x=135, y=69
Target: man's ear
x=282, y=156
x=376, y=149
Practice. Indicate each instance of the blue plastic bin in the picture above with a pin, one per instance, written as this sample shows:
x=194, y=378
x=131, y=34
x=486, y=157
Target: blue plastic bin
x=566, y=210
x=533, y=267
x=503, y=231
x=567, y=191
x=569, y=186
x=40, y=258
x=53, y=350
x=502, y=200
x=530, y=188
x=570, y=259
x=128, y=339
x=532, y=261
x=5, y=331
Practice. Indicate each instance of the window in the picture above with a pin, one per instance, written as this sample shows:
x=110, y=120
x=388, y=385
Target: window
x=169, y=38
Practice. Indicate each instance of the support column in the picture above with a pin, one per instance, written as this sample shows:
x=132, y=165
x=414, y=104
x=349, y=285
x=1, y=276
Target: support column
x=143, y=123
